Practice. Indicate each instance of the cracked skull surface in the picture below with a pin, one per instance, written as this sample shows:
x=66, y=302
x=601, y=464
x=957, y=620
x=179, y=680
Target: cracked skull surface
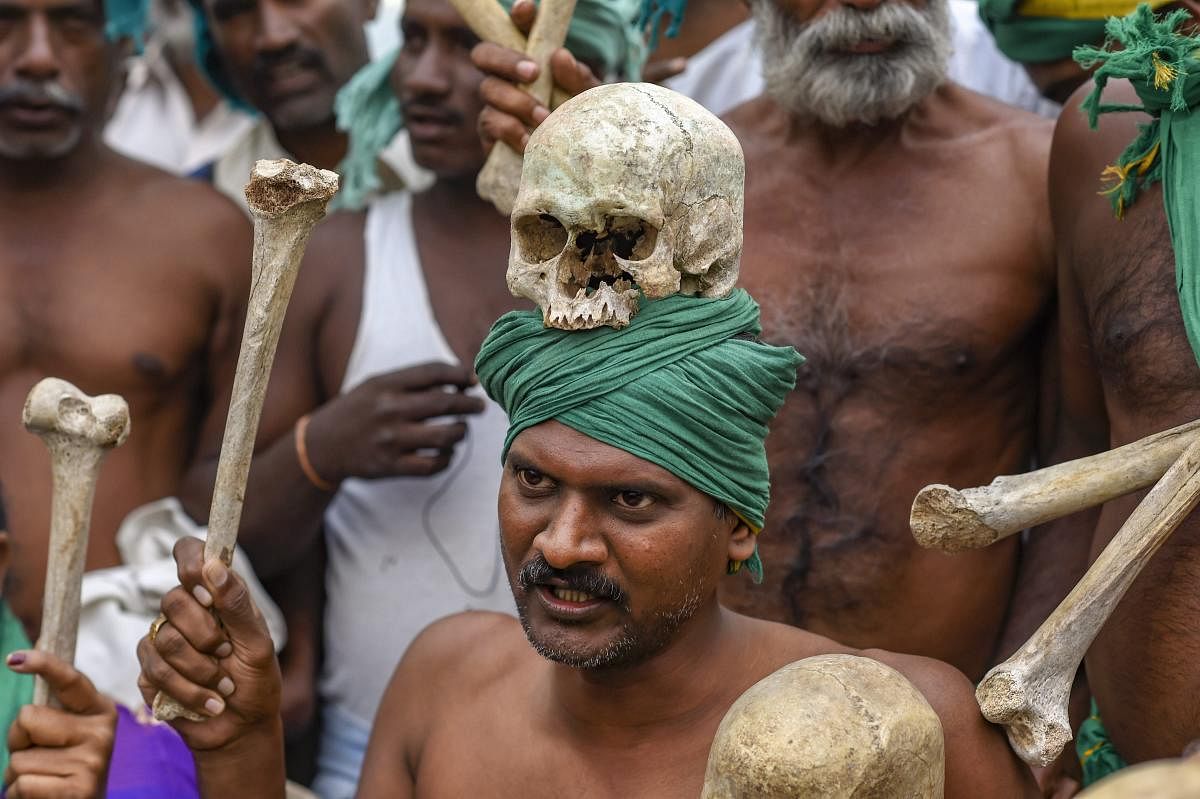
x=628, y=189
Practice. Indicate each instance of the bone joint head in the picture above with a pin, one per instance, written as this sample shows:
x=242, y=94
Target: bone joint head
x=276, y=187
x=828, y=726
x=627, y=189
x=56, y=407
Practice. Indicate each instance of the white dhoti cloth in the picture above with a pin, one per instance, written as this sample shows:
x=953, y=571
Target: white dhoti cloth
x=118, y=604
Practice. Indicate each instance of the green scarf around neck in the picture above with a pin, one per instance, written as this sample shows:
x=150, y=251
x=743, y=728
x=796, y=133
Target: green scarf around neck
x=1163, y=67
x=686, y=386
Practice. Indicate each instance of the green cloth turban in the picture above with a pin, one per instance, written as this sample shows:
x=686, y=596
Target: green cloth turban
x=1162, y=66
x=126, y=19
x=652, y=14
x=1034, y=31
x=602, y=31
x=686, y=386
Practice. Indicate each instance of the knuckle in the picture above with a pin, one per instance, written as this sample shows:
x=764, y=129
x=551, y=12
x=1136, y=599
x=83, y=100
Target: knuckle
x=158, y=671
x=170, y=641
x=175, y=602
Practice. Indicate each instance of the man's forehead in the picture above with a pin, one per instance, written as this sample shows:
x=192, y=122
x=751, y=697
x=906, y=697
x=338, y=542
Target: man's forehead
x=567, y=454
x=437, y=13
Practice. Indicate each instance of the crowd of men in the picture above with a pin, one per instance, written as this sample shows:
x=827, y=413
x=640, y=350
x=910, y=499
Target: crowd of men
x=935, y=288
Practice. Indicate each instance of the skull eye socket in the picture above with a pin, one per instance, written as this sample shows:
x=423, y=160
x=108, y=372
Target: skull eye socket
x=540, y=238
x=632, y=238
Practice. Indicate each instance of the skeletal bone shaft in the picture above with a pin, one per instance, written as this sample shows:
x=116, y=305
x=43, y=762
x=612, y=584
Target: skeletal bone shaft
x=952, y=520
x=1029, y=692
x=75, y=469
x=488, y=20
x=501, y=176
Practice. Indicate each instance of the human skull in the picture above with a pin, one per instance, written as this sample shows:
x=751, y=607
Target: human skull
x=627, y=188
x=828, y=727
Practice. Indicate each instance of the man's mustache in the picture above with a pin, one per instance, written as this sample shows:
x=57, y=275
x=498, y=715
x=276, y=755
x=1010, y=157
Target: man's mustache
x=845, y=27
x=306, y=58
x=422, y=107
x=40, y=93
x=537, y=571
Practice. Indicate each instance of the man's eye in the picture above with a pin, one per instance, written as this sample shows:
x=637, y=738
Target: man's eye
x=531, y=479
x=223, y=10
x=634, y=499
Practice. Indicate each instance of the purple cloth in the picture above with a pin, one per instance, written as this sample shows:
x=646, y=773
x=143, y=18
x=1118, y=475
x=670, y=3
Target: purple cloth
x=150, y=761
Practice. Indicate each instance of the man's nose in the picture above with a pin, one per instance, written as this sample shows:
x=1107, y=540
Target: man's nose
x=38, y=59
x=277, y=29
x=572, y=536
x=431, y=74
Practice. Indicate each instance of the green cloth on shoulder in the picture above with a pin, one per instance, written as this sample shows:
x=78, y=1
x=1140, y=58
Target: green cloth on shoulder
x=1036, y=39
x=686, y=386
x=1097, y=756
x=1163, y=67
x=16, y=690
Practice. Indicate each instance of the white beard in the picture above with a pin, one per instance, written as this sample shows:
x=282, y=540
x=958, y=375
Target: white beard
x=808, y=72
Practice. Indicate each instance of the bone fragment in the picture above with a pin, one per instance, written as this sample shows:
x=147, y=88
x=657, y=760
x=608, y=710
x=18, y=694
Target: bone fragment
x=79, y=431
x=488, y=20
x=501, y=176
x=1028, y=693
x=828, y=726
x=952, y=520
x=1157, y=779
x=287, y=201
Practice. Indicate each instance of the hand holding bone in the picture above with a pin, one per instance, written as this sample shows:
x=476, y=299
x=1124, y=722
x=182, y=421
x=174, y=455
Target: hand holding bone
x=1028, y=693
x=287, y=200
x=223, y=672
x=501, y=175
x=951, y=520
x=79, y=431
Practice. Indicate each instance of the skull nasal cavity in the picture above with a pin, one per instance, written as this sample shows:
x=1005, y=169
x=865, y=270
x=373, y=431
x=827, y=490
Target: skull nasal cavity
x=626, y=237
x=541, y=238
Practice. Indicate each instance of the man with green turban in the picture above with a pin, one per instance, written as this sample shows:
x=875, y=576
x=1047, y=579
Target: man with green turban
x=634, y=475
x=1129, y=307
x=1043, y=35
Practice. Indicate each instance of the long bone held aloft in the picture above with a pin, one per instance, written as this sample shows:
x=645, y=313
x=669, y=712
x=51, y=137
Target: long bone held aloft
x=287, y=200
x=501, y=176
x=952, y=520
x=79, y=431
x=1028, y=693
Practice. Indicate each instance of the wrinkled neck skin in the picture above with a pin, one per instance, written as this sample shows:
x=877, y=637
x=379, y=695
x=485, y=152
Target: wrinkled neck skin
x=456, y=199
x=688, y=680
x=69, y=174
x=846, y=146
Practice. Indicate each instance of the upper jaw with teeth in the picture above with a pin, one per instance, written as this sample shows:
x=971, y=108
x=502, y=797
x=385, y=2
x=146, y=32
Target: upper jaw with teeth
x=568, y=595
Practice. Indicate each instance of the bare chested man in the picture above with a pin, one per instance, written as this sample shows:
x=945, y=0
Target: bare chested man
x=614, y=561
x=897, y=229
x=116, y=276
x=1128, y=371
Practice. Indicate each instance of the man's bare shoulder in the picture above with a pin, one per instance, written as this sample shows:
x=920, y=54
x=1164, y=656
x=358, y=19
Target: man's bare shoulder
x=979, y=121
x=445, y=651
x=158, y=194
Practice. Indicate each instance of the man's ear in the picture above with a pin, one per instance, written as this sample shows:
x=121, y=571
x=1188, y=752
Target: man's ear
x=741, y=540
x=4, y=555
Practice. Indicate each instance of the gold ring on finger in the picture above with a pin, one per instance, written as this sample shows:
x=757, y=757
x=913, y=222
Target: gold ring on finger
x=156, y=625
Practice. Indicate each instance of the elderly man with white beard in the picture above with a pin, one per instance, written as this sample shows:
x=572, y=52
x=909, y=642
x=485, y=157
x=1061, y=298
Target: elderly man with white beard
x=898, y=233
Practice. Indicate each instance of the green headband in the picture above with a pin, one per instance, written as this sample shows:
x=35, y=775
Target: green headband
x=652, y=14
x=679, y=388
x=126, y=19
x=1162, y=66
x=1035, y=31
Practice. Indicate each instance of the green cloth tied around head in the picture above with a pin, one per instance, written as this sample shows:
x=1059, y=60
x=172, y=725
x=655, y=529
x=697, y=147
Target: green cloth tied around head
x=677, y=388
x=126, y=19
x=1036, y=38
x=1163, y=67
x=209, y=60
x=602, y=32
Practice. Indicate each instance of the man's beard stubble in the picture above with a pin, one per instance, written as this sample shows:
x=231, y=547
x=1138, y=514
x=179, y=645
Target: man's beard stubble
x=808, y=71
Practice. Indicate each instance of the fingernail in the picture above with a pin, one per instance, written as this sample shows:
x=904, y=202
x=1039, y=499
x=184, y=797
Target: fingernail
x=225, y=686
x=16, y=658
x=540, y=113
x=202, y=596
x=528, y=70
x=225, y=650
x=214, y=706
x=677, y=64
x=216, y=572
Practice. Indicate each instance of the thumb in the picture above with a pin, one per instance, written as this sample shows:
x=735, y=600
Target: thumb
x=237, y=612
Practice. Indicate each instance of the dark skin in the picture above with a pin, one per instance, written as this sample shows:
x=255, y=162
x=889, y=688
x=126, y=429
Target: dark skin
x=288, y=59
x=1128, y=372
x=514, y=723
x=140, y=292
x=920, y=371
x=376, y=430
